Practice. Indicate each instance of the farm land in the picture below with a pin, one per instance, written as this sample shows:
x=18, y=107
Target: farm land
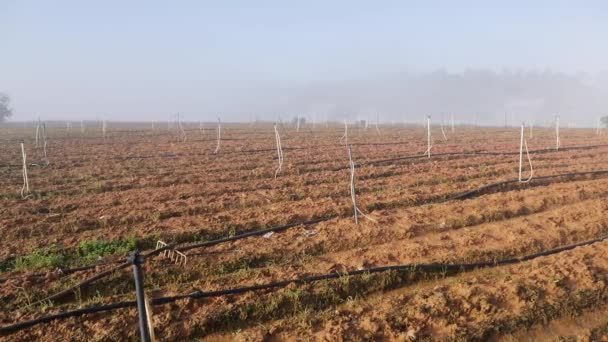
x=100, y=198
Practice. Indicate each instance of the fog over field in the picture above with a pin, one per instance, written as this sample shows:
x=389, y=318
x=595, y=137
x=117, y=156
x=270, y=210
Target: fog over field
x=345, y=59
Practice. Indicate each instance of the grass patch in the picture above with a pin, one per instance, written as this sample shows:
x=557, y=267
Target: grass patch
x=44, y=258
x=95, y=249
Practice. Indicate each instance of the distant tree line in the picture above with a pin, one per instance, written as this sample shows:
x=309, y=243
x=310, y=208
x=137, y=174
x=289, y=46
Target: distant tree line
x=5, y=109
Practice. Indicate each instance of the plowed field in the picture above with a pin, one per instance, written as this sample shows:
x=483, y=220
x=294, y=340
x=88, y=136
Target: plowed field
x=99, y=198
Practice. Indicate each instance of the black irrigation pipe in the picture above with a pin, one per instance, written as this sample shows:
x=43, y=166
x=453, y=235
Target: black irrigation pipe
x=425, y=268
x=238, y=237
x=66, y=271
x=483, y=189
x=472, y=153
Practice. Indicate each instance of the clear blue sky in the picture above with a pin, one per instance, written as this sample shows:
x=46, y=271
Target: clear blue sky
x=113, y=59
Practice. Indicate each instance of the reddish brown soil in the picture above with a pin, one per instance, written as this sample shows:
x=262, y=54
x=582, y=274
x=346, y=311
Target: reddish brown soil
x=147, y=185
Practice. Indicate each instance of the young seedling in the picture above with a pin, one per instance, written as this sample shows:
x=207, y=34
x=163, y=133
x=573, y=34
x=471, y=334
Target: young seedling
x=522, y=144
x=219, y=136
x=279, y=151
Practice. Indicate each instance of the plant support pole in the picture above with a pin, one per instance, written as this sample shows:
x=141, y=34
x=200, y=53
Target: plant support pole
x=219, y=136
x=523, y=144
x=352, y=184
x=521, y=150
x=531, y=129
x=445, y=139
x=344, y=138
x=279, y=150
x=452, y=123
x=428, y=135
x=557, y=142
x=26, y=185
x=353, y=192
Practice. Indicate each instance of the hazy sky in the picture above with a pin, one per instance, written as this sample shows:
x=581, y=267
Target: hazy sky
x=149, y=59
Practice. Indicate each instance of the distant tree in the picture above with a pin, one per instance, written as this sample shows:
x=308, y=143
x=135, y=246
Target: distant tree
x=604, y=121
x=5, y=110
x=294, y=121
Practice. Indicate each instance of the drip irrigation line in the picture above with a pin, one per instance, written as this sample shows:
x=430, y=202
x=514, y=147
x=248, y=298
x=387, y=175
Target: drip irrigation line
x=237, y=237
x=65, y=271
x=498, y=185
x=90, y=280
x=466, y=154
x=424, y=268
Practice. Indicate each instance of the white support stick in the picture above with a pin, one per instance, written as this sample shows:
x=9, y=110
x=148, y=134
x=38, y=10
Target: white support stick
x=599, y=127
x=521, y=150
x=428, y=136
x=219, y=136
x=377, y=119
x=46, y=159
x=557, y=142
x=103, y=128
x=181, y=133
x=201, y=127
x=445, y=139
x=531, y=129
x=26, y=185
x=344, y=138
x=37, y=133
x=523, y=144
x=81, y=127
x=298, y=123
x=452, y=115
x=353, y=195
x=279, y=150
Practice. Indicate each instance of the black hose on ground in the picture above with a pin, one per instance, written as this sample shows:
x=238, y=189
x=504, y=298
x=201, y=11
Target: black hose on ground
x=425, y=268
